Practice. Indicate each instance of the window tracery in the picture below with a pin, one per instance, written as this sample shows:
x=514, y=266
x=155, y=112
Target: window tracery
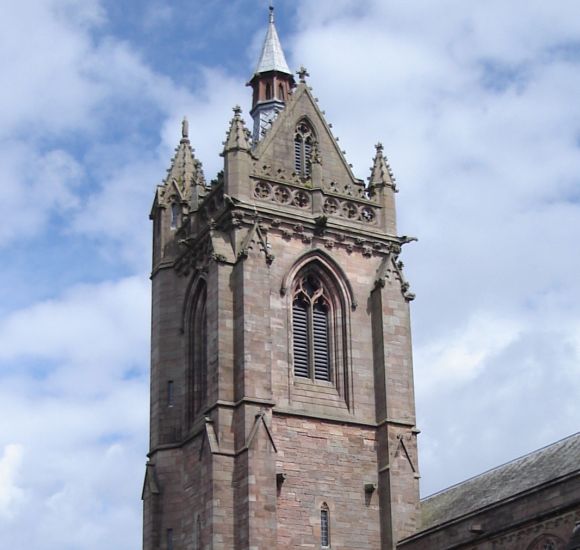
x=311, y=314
x=319, y=301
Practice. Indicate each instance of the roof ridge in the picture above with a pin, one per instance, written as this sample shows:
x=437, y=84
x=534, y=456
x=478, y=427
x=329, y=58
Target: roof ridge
x=514, y=460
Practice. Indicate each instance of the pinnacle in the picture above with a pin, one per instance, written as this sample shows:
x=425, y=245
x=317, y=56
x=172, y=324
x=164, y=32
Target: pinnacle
x=237, y=136
x=185, y=170
x=381, y=173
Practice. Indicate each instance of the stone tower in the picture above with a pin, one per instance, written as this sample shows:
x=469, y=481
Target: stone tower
x=282, y=405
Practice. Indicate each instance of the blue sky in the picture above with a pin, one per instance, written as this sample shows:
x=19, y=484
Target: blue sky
x=477, y=106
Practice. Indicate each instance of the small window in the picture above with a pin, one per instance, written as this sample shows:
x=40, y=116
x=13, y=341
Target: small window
x=268, y=91
x=303, y=139
x=175, y=215
x=281, y=92
x=169, y=539
x=170, y=394
x=324, y=527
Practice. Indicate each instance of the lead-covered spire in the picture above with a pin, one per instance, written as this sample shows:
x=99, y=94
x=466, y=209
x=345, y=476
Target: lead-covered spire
x=272, y=57
x=271, y=83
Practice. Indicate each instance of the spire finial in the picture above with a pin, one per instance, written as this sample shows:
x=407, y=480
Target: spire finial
x=379, y=147
x=302, y=73
x=271, y=15
x=184, y=128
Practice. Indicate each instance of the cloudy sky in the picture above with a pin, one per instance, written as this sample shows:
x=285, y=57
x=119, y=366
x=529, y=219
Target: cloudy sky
x=477, y=106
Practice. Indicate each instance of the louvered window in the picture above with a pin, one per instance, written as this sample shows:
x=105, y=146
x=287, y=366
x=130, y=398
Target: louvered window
x=320, y=342
x=311, y=330
x=303, y=149
x=300, y=320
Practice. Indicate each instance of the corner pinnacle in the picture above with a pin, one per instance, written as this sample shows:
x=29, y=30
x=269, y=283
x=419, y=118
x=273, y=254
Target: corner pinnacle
x=381, y=173
x=237, y=135
x=185, y=128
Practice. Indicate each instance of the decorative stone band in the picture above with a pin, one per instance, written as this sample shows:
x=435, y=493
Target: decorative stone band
x=282, y=194
x=349, y=210
x=286, y=195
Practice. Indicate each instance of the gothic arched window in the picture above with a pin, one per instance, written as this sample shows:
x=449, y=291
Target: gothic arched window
x=319, y=301
x=198, y=352
x=303, y=139
x=268, y=91
x=281, y=92
x=312, y=312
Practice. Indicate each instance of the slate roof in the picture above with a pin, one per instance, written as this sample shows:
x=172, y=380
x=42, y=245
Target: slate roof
x=547, y=464
x=272, y=57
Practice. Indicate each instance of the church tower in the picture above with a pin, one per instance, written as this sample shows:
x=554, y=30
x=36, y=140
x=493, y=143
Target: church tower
x=282, y=404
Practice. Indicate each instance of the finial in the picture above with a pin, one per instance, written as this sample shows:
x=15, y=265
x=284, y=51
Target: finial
x=379, y=147
x=237, y=110
x=302, y=73
x=271, y=8
x=184, y=128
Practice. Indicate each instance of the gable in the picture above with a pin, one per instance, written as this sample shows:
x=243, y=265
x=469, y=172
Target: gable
x=275, y=153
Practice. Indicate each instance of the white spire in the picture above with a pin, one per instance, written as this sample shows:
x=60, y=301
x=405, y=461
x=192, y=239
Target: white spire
x=272, y=56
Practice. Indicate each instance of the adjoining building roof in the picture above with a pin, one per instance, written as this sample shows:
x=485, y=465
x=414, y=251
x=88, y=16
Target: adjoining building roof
x=272, y=57
x=542, y=466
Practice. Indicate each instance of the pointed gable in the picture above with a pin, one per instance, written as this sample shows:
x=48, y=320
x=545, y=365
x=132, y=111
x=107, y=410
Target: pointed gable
x=276, y=152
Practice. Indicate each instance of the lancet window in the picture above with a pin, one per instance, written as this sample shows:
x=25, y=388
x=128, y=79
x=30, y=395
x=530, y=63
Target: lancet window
x=303, y=140
x=198, y=351
x=324, y=527
x=175, y=215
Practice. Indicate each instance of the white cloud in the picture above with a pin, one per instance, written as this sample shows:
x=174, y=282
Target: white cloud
x=11, y=495
x=477, y=108
x=73, y=382
x=458, y=357
x=94, y=334
x=33, y=184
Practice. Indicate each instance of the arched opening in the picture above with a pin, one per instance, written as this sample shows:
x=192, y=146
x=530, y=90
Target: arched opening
x=268, y=91
x=324, y=526
x=198, y=363
x=175, y=215
x=319, y=326
x=303, y=140
x=281, y=92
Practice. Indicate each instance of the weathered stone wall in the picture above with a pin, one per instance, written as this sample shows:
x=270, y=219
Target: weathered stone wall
x=326, y=463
